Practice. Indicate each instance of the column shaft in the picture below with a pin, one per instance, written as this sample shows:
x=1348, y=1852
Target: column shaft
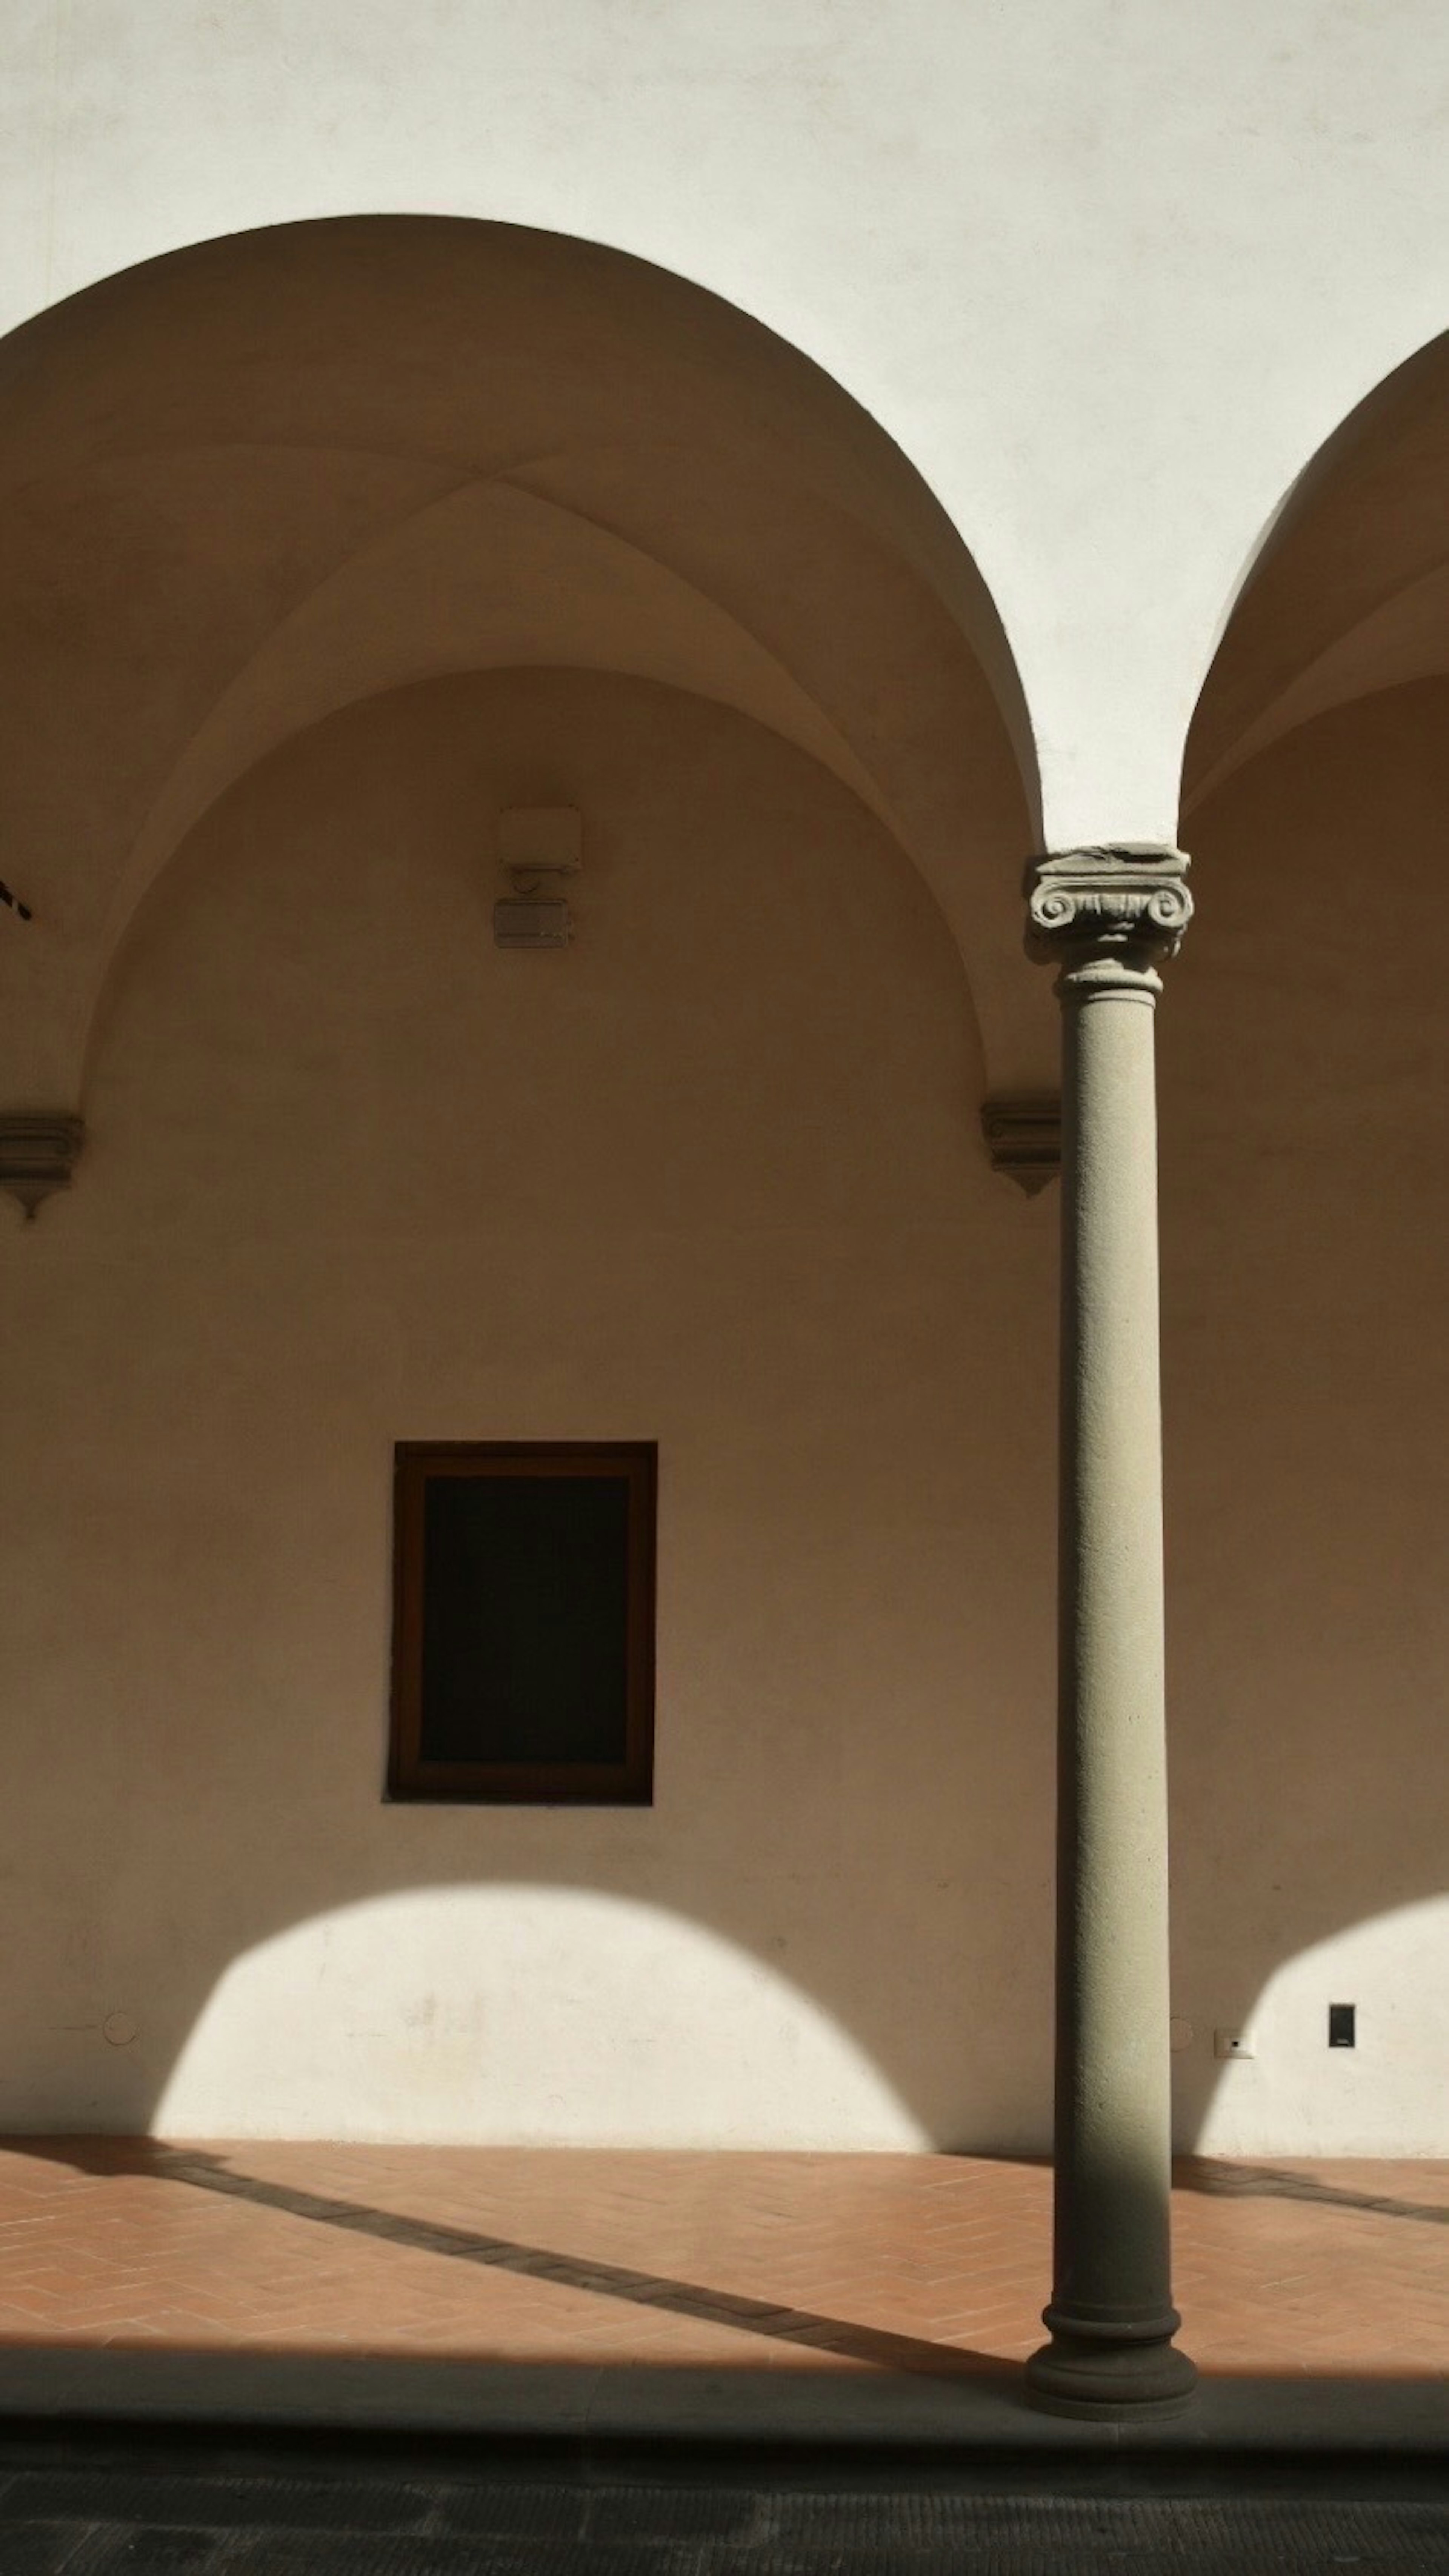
x=1111, y=2315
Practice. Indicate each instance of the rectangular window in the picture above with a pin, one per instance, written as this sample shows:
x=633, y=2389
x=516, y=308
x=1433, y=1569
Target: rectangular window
x=523, y=1622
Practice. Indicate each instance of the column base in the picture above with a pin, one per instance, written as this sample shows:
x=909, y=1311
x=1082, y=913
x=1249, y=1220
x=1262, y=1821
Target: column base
x=1112, y=2376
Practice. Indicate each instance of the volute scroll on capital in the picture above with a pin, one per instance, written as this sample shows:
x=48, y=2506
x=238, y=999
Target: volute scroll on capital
x=1123, y=904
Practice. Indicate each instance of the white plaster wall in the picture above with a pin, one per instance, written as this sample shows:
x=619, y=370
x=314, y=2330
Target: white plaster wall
x=1109, y=271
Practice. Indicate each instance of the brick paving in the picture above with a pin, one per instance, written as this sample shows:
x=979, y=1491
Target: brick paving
x=931, y=2264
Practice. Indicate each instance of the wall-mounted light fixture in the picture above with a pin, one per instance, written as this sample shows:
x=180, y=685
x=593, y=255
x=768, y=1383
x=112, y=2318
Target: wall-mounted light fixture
x=538, y=846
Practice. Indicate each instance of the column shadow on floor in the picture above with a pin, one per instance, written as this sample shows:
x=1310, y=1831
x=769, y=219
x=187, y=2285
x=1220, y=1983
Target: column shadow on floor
x=202, y=2171
x=1218, y=2179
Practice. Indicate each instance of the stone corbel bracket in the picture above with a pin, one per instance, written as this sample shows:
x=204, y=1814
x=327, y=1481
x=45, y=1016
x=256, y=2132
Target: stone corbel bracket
x=38, y=1152
x=1023, y=1133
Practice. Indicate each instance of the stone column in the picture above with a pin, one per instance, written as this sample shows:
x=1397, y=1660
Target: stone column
x=1108, y=918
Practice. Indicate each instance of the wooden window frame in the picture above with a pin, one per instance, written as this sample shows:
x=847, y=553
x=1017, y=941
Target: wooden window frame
x=629, y=1783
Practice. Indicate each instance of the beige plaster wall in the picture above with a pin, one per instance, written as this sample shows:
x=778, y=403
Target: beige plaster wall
x=1306, y=1257
x=713, y=1177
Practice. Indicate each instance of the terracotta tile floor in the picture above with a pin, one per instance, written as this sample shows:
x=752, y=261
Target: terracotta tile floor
x=922, y=2263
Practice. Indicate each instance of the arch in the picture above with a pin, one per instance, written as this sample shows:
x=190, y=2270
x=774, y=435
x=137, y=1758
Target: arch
x=260, y=478
x=1347, y=591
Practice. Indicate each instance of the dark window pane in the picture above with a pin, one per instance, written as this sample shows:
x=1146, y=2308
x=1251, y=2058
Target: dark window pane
x=525, y=1619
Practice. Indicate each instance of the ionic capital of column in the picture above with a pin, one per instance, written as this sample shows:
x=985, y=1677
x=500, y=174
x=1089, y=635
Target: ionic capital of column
x=1108, y=917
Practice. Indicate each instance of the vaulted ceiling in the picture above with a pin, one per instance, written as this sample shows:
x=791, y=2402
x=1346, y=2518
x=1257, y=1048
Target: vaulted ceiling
x=258, y=481
x=1350, y=593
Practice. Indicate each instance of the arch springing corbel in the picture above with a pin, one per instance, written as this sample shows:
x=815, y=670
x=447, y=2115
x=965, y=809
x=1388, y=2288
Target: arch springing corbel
x=38, y=1153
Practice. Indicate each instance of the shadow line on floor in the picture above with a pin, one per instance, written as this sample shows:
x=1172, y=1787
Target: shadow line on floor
x=200, y=2170
x=1224, y=2180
